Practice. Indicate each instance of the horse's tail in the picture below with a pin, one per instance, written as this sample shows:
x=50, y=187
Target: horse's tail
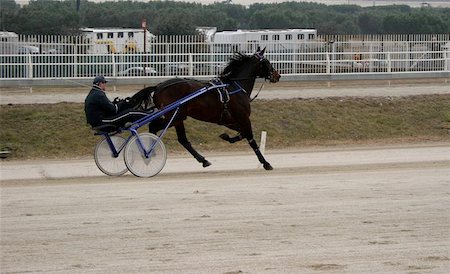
x=144, y=97
x=144, y=93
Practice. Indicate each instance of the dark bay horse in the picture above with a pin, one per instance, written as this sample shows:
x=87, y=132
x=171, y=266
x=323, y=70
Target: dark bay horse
x=229, y=107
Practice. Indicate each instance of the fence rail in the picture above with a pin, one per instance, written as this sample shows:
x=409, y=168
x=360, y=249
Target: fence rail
x=190, y=56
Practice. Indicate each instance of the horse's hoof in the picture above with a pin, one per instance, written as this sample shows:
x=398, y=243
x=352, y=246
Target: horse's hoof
x=225, y=137
x=267, y=166
x=206, y=163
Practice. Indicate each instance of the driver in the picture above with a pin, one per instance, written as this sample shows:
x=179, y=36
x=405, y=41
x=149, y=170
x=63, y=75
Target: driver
x=101, y=111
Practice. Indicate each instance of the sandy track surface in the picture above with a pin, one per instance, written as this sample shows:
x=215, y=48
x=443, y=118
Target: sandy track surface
x=282, y=90
x=365, y=210
x=382, y=211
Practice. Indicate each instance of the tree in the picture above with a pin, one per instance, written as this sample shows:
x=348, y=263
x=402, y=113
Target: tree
x=44, y=17
x=8, y=11
x=173, y=21
x=170, y=17
x=370, y=23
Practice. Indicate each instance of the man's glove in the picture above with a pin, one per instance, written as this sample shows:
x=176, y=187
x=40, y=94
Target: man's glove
x=125, y=104
x=121, y=105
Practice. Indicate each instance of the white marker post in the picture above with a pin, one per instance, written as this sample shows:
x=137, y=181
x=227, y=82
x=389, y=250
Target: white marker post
x=262, y=146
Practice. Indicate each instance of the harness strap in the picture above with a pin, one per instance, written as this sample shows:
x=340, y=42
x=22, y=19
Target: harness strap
x=239, y=88
x=224, y=96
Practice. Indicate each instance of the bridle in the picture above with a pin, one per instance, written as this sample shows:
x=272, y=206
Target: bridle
x=272, y=77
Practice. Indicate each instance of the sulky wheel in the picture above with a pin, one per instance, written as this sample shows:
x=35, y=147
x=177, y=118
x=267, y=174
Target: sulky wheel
x=105, y=160
x=138, y=163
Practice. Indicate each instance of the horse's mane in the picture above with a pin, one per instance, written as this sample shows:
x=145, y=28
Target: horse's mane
x=235, y=62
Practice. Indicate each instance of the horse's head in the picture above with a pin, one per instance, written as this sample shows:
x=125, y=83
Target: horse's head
x=243, y=67
x=266, y=69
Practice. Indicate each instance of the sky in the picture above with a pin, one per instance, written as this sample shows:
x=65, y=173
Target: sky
x=413, y=3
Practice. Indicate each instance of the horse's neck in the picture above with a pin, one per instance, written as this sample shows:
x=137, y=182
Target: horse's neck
x=248, y=85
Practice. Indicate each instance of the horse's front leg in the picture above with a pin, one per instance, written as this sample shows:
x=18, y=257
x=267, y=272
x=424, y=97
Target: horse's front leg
x=182, y=139
x=252, y=144
x=248, y=134
x=229, y=139
x=258, y=153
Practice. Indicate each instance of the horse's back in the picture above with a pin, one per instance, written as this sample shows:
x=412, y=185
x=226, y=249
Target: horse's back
x=174, y=82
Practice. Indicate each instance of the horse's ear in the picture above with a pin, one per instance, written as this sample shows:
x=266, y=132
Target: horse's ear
x=260, y=52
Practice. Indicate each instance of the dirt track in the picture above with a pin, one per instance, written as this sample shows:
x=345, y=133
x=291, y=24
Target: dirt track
x=373, y=210
x=281, y=90
x=374, y=214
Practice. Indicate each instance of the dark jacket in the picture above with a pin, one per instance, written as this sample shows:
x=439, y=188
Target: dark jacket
x=97, y=107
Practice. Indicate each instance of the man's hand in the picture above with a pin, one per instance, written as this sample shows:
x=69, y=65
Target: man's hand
x=130, y=101
x=126, y=103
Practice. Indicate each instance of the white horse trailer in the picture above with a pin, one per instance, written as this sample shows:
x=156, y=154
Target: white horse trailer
x=275, y=40
x=280, y=44
x=117, y=40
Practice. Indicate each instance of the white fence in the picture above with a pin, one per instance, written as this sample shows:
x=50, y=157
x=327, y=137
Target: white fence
x=189, y=56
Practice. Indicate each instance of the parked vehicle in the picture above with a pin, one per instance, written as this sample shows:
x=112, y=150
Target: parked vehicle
x=24, y=49
x=138, y=71
x=177, y=69
x=10, y=44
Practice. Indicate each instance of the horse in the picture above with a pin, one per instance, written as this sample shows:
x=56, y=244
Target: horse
x=228, y=106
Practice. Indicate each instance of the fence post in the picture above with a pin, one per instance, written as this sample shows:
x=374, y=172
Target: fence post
x=389, y=68
x=114, y=65
x=191, y=64
x=30, y=66
x=328, y=63
x=371, y=59
x=166, y=58
x=75, y=62
x=446, y=59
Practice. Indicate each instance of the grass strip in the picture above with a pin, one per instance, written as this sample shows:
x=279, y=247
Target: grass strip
x=60, y=130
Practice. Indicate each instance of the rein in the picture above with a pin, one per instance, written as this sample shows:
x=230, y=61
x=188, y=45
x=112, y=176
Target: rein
x=251, y=100
x=240, y=88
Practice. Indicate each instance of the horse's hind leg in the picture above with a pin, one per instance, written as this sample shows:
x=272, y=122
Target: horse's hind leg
x=182, y=139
